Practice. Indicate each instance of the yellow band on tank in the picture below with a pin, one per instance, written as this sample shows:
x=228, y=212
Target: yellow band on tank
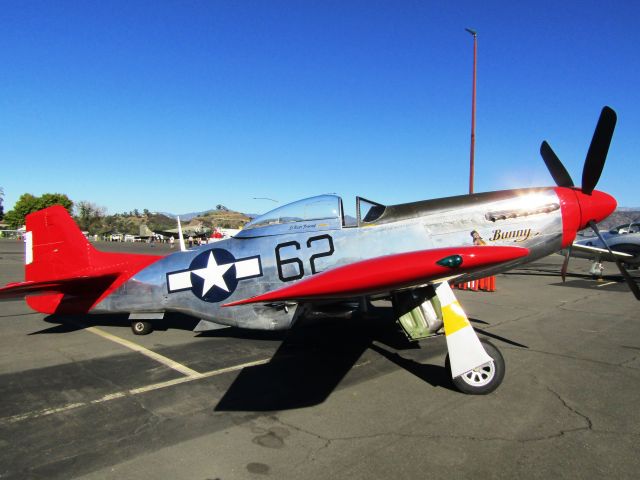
x=454, y=318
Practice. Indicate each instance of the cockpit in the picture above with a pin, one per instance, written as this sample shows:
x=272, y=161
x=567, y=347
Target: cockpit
x=323, y=212
x=633, y=227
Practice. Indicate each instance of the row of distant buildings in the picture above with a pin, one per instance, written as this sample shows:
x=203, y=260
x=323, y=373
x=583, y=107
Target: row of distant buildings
x=197, y=233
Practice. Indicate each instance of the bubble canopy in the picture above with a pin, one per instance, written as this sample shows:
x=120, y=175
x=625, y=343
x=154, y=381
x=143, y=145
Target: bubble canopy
x=314, y=209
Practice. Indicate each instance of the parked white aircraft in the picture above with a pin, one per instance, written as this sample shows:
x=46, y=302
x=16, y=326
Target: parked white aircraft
x=624, y=241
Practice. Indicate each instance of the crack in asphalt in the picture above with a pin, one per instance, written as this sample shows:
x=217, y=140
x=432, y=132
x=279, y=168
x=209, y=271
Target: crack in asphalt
x=579, y=359
x=575, y=411
x=631, y=360
x=577, y=305
x=571, y=357
x=588, y=427
x=529, y=316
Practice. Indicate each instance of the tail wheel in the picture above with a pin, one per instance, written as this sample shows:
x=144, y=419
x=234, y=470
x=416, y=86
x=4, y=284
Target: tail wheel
x=484, y=379
x=141, y=327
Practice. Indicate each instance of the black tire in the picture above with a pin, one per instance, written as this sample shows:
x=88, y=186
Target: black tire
x=141, y=327
x=483, y=380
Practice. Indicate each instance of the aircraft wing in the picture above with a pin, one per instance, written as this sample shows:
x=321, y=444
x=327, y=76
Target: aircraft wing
x=391, y=272
x=603, y=253
x=75, y=285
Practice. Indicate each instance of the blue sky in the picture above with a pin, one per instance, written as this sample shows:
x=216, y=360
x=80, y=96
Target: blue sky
x=181, y=105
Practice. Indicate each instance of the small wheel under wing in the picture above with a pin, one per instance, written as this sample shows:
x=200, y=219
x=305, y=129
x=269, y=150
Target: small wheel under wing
x=484, y=379
x=141, y=327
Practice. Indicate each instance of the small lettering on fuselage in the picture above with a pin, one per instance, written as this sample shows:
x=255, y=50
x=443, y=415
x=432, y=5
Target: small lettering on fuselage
x=515, y=235
x=303, y=227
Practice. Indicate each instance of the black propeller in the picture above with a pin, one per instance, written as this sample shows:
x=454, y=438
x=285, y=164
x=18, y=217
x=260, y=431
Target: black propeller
x=555, y=166
x=597, y=154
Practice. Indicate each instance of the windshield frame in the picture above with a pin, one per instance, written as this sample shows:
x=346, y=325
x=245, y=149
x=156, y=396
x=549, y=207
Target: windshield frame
x=299, y=211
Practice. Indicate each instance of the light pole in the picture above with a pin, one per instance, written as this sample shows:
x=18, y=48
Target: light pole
x=473, y=109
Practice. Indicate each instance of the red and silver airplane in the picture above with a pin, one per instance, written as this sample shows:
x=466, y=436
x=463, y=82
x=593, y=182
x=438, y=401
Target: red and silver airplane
x=303, y=257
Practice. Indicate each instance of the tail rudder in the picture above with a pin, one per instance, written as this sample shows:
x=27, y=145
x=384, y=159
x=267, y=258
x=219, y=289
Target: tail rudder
x=54, y=246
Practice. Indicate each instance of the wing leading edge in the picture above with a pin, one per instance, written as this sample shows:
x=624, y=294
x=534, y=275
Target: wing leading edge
x=391, y=272
x=604, y=253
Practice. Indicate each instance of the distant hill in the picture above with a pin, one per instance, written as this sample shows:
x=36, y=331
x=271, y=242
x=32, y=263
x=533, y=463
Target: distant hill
x=130, y=224
x=184, y=217
x=159, y=221
x=220, y=218
x=162, y=222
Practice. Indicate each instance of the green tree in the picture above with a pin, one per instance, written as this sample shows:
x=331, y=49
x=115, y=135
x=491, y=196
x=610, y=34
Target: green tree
x=28, y=203
x=50, y=199
x=89, y=217
x=1, y=203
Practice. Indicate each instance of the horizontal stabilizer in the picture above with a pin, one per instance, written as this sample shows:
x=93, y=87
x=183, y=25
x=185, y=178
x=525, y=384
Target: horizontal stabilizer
x=70, y=286
x=391, y=272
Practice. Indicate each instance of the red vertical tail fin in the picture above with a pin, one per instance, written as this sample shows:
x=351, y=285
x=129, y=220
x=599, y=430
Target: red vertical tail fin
x=55, y=246
x=58, y=257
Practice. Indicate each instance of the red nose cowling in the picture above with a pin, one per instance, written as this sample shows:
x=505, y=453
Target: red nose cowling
x=578, y=209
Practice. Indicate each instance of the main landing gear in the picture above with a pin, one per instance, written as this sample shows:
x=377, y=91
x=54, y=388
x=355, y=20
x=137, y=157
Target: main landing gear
x=141, y=322
x=597, y=269
x=141, y=327
x=483, y=379
x=476, y=366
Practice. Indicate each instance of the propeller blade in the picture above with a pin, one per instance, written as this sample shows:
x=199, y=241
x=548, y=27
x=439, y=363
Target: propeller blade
x=555, y=166
x=565, y=265
x=597, y=154
x=633, y=286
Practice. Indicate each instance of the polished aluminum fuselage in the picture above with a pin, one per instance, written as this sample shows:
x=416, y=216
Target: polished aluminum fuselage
x=530, y=218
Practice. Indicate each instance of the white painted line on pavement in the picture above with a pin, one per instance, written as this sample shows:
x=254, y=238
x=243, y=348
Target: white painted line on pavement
x=126, y=393
x=145, y=351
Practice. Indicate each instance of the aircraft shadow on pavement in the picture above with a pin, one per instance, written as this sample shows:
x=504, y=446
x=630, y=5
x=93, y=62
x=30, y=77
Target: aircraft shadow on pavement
x=536, y=271
x=314, y=358
x=609, y=283
x=494, y=336
x=71, y=323
x=554, y=271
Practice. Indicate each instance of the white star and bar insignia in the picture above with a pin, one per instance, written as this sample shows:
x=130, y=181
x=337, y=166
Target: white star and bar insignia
x=214, y=274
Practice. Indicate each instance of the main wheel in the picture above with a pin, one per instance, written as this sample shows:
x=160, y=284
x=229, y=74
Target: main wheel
x=141, y=327
x=484, y=379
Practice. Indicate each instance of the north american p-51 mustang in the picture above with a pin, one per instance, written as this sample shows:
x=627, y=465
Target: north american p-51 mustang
x=303, y=257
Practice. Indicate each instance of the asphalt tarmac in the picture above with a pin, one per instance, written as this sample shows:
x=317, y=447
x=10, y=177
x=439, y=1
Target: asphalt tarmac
x=85, y=398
